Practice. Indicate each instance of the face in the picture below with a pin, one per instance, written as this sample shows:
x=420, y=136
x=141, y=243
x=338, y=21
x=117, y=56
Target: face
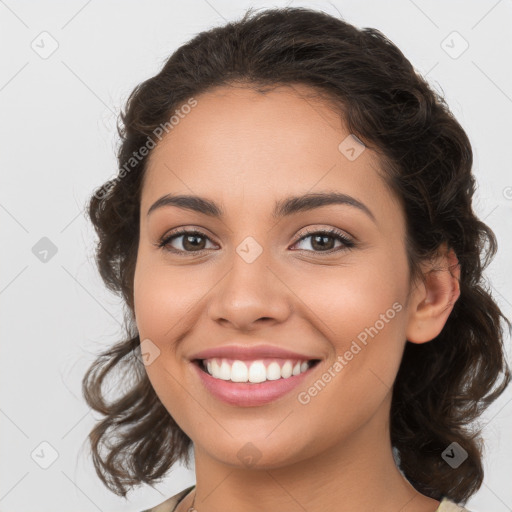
x=328, y=282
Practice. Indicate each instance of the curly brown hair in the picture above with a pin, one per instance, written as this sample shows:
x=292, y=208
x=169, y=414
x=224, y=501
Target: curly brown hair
x=441, y=386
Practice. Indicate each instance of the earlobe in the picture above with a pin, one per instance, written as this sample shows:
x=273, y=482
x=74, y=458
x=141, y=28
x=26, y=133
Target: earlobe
x=435, y=298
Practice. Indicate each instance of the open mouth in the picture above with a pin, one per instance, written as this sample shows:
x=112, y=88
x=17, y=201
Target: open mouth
x=254, y=371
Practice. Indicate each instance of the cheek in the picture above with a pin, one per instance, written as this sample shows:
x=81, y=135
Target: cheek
x=162, y=297
x=360, y=311
x=348, y=299
x=361, y=315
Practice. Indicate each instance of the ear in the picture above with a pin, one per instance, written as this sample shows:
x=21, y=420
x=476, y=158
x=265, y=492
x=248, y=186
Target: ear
x=433, y=300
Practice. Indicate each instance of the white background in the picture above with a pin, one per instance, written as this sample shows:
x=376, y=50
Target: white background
x=58, y=143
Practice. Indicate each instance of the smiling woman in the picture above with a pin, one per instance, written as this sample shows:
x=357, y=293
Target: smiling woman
x=302, y=270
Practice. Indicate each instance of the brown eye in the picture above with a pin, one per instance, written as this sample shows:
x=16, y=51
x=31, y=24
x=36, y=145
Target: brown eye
x=320, y=240
x=192, y=241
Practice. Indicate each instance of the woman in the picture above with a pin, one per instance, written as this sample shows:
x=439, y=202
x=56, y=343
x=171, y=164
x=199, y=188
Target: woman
x=292, y=233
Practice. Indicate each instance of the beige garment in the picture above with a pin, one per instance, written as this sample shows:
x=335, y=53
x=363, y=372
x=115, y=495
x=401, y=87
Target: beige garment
x=170, y=504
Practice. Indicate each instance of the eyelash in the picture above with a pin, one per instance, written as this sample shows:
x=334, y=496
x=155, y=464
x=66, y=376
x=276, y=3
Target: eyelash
x=348, y=244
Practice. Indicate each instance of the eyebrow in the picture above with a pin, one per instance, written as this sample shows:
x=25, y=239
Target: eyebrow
x=282, y=208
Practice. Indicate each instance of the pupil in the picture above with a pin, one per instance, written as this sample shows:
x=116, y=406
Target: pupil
x=193, y=244
x=322, y=243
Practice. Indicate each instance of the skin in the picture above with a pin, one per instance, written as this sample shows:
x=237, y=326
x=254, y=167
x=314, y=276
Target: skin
x=245, y=150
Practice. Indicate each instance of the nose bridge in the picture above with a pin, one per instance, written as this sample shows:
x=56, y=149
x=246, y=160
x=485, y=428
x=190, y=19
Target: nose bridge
x=250, y=290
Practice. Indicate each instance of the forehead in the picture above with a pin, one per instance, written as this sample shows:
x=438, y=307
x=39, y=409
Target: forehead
x=237, y=141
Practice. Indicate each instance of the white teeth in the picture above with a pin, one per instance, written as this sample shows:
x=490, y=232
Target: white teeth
x=273, y=371
x=239, y=372
x=224, y=371
x=255, y=371
x=286, y=370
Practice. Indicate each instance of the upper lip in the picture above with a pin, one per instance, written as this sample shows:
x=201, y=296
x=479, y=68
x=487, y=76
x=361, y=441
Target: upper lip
x=244, y=352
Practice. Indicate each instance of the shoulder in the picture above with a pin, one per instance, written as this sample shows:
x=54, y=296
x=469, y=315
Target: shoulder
x=170, y=503
x=447, y=505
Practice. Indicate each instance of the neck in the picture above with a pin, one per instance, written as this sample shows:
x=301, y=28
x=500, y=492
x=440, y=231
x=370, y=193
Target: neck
x=358, y=474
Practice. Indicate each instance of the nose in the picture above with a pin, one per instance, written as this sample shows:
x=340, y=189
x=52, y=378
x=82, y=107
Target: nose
x=250, y=295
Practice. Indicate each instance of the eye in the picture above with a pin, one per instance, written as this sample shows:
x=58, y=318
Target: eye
x=319, y=239
x=190, y=241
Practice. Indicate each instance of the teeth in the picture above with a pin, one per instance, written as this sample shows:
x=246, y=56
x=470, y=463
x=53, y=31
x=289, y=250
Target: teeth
x=255, y=371
x=222, y=371
x=273, y=371
x=239, y=372
x=286, y=370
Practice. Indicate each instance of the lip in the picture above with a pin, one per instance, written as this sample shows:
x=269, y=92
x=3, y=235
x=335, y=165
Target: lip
x=247, y=353
x=245, y=394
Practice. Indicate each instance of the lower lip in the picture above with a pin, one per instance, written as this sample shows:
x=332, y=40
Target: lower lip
x=246, y=394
